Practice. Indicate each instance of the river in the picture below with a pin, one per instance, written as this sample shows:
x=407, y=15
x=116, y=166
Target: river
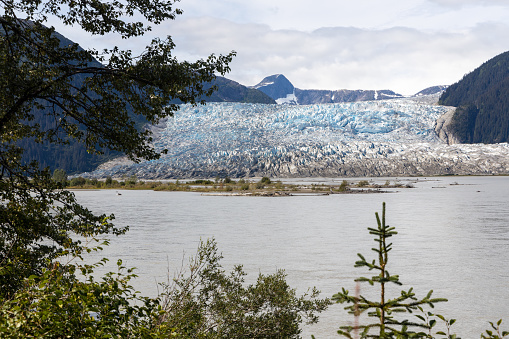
x=453, y=238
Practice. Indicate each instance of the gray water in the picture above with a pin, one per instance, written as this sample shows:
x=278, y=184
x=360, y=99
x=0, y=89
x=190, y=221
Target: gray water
x=453, y=238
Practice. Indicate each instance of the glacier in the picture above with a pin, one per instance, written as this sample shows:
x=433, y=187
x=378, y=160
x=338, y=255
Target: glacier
x=370, y=138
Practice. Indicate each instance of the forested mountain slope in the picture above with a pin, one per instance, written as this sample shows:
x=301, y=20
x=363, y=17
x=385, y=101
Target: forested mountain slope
x=482, y=101
x=73, y=157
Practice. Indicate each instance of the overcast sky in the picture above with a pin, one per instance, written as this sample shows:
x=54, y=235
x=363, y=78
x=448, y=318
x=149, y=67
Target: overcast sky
x=402, y=45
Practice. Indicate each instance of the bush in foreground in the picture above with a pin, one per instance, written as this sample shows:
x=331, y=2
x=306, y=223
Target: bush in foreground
x=205, y=302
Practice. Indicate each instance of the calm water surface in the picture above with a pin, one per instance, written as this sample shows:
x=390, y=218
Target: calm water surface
x=453, y=238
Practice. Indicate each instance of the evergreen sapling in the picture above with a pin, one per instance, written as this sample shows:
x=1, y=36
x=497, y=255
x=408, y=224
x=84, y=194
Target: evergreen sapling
x=385, y=309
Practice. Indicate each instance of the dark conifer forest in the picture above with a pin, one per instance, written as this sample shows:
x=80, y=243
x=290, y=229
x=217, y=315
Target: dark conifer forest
x=482, y=101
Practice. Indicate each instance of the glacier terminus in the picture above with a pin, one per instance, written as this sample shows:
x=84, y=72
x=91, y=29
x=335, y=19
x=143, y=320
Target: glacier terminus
x=397, y=137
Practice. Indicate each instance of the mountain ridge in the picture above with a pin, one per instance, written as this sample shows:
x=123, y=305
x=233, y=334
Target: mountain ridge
x=279, y=88
x=232, y=91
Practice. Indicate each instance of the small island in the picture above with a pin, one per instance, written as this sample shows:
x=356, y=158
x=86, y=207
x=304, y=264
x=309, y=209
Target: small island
x=265, y=186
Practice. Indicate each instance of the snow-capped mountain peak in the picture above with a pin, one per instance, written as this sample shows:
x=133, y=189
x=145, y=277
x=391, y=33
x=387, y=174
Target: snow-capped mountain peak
x=276, y=86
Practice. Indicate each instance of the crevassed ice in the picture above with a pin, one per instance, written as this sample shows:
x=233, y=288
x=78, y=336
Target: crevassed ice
x=246, y=125
x=283, y=139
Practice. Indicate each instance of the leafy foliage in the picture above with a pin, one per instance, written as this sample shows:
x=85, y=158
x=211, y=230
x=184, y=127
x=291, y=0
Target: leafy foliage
x=265, y=180
x=386, y=310
x=494, y=332
x=39, y=222
x=481, y=96
x=45, y=78
x=66, y=301
x=207, y=302
x=58, y=305
x=60, y=176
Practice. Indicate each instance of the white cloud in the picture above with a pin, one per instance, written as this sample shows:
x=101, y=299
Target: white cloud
x=403, y=46
x=402, y=59
x=306, y=16
x=461, y=3
x=299, y=14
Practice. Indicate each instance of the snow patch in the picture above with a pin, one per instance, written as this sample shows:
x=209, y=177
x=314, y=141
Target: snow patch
x=264, y=84
x=290, y=99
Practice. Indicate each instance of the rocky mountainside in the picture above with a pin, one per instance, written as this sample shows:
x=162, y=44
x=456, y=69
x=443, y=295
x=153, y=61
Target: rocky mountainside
x=311, y=96
x=279, y=88
x=431, y=91
x=231, y=91
x=371, y=138
x=482, y=101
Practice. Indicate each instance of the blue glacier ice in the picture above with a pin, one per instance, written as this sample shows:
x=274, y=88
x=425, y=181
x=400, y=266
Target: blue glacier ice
x=389, y=137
